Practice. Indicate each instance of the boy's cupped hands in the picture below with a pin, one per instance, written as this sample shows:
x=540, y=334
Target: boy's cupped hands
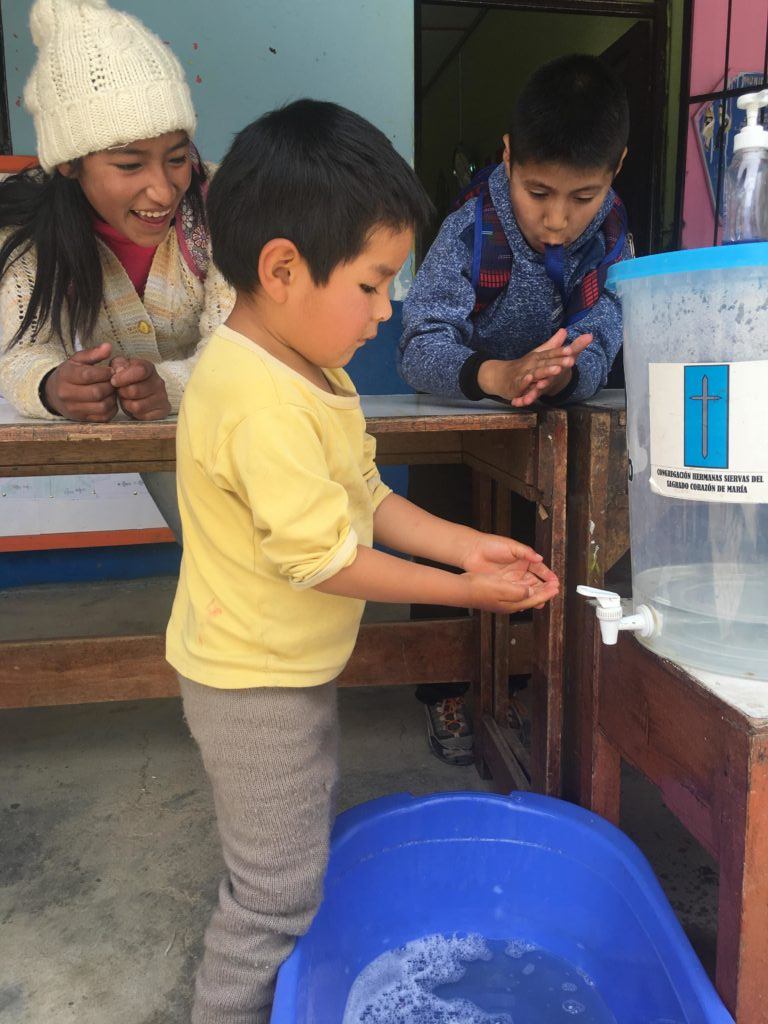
x=506, y=575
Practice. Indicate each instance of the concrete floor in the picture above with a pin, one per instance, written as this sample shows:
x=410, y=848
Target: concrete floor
x=108, y=852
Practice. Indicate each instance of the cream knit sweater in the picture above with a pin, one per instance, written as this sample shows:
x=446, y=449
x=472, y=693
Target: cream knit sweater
x=166, y=327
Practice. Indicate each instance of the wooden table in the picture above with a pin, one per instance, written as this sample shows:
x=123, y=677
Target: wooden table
x=700, y=738
x=598, y=535
x=508, y=451
x=703, y=741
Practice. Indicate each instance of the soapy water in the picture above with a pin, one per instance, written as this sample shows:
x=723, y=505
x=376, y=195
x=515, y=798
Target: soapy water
x=443, y=979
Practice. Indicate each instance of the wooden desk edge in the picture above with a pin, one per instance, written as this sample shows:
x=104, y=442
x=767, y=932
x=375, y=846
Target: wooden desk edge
x=55, y=431
x=41, y=449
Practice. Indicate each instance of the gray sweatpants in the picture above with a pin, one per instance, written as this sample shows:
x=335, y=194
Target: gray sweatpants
x=271, y=754
x=162, y=490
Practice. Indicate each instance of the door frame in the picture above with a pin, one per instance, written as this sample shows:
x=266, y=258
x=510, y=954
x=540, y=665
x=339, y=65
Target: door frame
x=655, y=11
x=5, y=121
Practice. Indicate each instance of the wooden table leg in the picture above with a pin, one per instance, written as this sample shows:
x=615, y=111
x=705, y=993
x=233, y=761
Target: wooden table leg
x=606, y=778
x=482, y=683
x=500, y=709
x=588, y=453
x=534, y=466
x=601, y=775
x=549, y=622
x=496, y=753
x=502, y=749
x=742, y=918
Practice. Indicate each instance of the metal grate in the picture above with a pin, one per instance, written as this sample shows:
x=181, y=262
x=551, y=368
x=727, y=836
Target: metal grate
x=723, y=95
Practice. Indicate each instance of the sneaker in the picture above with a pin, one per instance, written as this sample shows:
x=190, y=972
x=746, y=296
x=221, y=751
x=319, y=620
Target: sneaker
x=519, y=720
x=449, y=731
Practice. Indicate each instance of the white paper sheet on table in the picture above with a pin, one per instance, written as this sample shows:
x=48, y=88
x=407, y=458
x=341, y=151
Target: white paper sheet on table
x=35, y=506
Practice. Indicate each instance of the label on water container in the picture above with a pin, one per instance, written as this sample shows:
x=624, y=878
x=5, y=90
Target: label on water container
x=709, y=424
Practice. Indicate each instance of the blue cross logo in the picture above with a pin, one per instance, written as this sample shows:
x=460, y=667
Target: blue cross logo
x=706, y=416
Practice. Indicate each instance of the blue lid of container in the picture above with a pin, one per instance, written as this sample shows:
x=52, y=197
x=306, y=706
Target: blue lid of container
x=720, y=257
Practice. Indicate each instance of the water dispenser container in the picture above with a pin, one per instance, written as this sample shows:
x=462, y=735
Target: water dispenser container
x=696, y=361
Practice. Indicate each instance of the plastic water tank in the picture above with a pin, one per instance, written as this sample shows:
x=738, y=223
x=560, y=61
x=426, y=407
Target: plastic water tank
x=696, y=360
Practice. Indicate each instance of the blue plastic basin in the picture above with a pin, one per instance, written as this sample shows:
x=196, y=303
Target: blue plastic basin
x=519, y=867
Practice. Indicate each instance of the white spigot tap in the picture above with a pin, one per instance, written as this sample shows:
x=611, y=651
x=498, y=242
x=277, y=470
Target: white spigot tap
x=611, y=617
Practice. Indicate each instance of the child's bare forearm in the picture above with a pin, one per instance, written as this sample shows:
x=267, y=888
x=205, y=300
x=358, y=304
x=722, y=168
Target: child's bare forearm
x=403, y=526
x=376, y=576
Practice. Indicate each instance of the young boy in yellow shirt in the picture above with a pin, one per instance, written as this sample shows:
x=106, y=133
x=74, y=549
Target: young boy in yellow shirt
x=312, y=214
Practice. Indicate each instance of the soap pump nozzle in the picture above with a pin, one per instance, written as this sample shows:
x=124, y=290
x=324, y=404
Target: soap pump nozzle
x=752, y=135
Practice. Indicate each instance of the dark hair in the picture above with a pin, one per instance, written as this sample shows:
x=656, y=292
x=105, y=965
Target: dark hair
x=314, y=173
x=50, y=214
x=572, y=111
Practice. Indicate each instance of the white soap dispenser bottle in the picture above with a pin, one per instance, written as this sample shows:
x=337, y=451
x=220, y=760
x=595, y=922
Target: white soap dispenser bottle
x=746, y=182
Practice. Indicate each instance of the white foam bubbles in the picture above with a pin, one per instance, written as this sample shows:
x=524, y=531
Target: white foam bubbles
x=573, y=1006
x=585, y=977
x=398, y=985
x=519, y=947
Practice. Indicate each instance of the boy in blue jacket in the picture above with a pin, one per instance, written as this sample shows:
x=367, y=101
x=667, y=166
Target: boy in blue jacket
x=510, y=300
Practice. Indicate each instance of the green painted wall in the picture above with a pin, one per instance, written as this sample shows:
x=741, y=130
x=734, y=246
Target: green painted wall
x=675, y=19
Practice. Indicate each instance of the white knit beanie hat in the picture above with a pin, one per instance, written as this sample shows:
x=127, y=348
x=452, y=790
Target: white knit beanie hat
x=101, y=80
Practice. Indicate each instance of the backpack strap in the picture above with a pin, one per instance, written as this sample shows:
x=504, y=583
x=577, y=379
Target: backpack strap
x=491, y=254
x=476, y=186
x=587, y=294
x=192, y=236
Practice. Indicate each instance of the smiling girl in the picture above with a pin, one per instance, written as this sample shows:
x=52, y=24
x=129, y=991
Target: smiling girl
x=105, y=284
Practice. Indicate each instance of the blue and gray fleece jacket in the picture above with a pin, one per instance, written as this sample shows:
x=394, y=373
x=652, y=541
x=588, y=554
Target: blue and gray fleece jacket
x=442, y=346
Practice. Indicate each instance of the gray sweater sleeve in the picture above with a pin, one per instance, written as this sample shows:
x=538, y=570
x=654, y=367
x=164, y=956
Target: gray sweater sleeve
x=437, y=329
x=604, y=322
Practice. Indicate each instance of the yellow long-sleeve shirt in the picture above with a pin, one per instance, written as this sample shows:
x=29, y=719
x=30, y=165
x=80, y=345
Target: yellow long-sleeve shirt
x=277, y=486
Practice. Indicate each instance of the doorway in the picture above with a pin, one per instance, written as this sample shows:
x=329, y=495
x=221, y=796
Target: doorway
x=472, y=58
x=5, y=130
